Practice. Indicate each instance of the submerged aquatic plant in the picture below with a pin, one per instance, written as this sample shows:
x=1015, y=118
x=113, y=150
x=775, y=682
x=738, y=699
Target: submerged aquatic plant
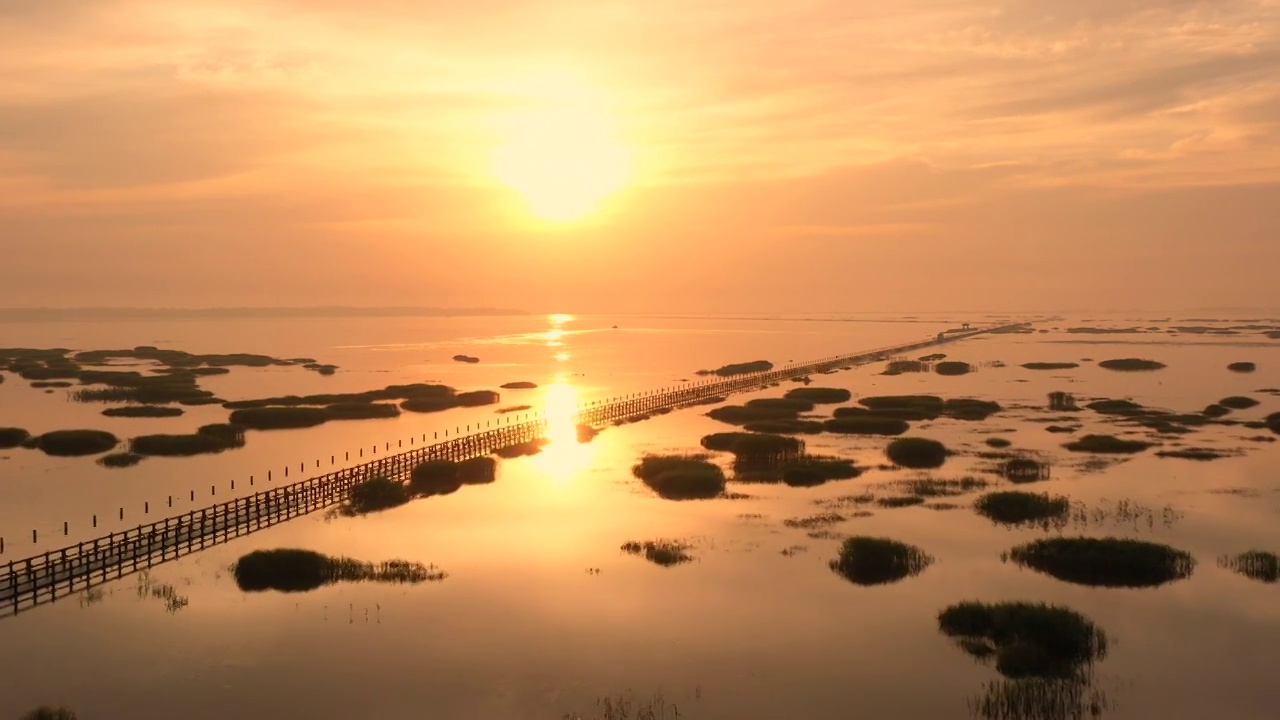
x=1105, y=562
x=293, y=570
x=915, y=452
x=681, y=477
x=867, y=560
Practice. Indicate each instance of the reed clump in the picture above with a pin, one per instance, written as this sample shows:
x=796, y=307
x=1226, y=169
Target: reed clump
x=952, y=368
x=279, y=418
x=143, y=411
x=391, y=392
x=1105, y=562
x=1132, y=365
x=72, y=443
x=294, y=570
x=820, y=395
x=1242, y=367
x=742, y=368
x=120, y=460
x=1254, y=564
x=360, y=411
x=12, y=437
x=1050, y=365
x=521, y=385
x=869, y=561
x=665, y=553
x=1020, y=470
x=757, y=445
x=47, y=712
x=681, y=477
x=917, y=453
x=785, y=427
x=866, y=424
x=376, y=494
x=207, y=439
x=1017, y=508
x=466, y=359
x=1238, y=402
x=749, y=413
x=998, y=442
x=440, y=477
x=1026, y=640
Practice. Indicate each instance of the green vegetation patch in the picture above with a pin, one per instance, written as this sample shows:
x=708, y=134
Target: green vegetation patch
x=918, y=453
x=1106, y=444
x=681, y=477
x=292, y=570
x=665, y=553
x=1255, y=565
x=820, y=395
x=867, y=560
x=1014, y=507
x=1026, y=640
x=208, y=439
x=1132, y=365
x=143, y=411
x=12, y=437
x=71, y=443
x=1105, y=562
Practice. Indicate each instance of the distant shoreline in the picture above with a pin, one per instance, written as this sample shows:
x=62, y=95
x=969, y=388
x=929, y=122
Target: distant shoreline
x=238, y=313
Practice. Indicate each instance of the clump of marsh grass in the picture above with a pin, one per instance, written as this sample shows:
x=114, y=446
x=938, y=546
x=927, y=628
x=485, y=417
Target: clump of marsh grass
x=45, y=384
x=899, y=501
x=923, y=407
x=441, y=477
x=782, y=404
x=866, y=424
x=1107, y=444
x=207, y=439
x=1040, y=699
x=466, y=359
x=952, y=368
x=360, y=411
x=810, y=470
x=666, y=553
x=120, y=460
x=938, y=487
x=867, y=560
x=293, y=570
x=524, y=449
x=998, y=442
x=1255, y=565
x=743, y=414
x=12, y=437
x=1060, y=401
x=1024, y=470
x=785, y=427
x=776, y=448
x=814, y=521
x=1105, y=562
x=681, y=477
x=279, y=418
x=742, y=368
x=513, y=408
x=521, y=385
x=1050, y=365
x=143, y=411
x=1215, y=411
x=47, y=712
x=71, y=443
x=1242, y=367
x=626, y=707
x=917, y=453
x=1193, y=453
x=820, y=395
x=1021, y=508
x=376, y=494
x=1132, y=365
x=1026, y=640
x=1238, y=402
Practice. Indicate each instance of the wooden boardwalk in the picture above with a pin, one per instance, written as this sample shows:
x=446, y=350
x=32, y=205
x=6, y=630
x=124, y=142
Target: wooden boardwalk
x=46, y=577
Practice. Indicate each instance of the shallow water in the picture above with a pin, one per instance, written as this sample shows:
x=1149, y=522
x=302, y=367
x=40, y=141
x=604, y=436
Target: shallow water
x=525, y=627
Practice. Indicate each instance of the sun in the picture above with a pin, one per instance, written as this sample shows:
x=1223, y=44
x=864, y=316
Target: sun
x=563, y=160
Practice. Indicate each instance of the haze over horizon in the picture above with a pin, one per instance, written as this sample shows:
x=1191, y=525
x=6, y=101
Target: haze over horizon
x=617, y=157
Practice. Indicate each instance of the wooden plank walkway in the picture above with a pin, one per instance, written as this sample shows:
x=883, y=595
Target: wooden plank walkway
x=46, y=577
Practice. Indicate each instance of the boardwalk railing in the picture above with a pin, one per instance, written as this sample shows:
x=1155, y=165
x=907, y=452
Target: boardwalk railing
x=46, y=577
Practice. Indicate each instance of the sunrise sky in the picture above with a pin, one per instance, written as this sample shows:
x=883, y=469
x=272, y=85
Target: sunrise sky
x=590, y=155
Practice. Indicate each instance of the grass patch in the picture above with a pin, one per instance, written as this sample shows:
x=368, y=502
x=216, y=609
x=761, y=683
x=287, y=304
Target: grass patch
x=72, y=443
x=923, y=407
x=813, y=471
x=666, y=553
x=792, y=405
x=934, y=487
x=1050, y=365
x=1201, y=454
x=207, y=439
x=43, y=384
x=279, y=418
x=120, y=460
x=1215, y=411
x=376, y=494
x=754, y=444
x=1106, y=444
x=998, y=442
x=898, y=367
x=866, y=425
x=46, y=712
x=952, y=368
x=440, y=477
x=292, y=570
x=12, y=437
x=1024, y=470
x=1238, y=402
x=143, y=411
x=391, y=392
x=1255, y=565
x=521, y=385
x=1132, y=365
x=743, y=414
x=466, y=359
x=360, y=411
x=900, y=501
x=513, y=408
x=680, y=477
x=1013, y=507
x=1105, y=562
x=1026, y=640
x=743, y=368
x=1060, y=401
x=814, y=521
x=878, y=561
x=1062, y=429
x=1242, y=367
x=820, y=395
x=917, y=453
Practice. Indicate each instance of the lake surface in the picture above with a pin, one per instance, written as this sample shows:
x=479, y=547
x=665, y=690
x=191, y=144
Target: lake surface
x=541, y=613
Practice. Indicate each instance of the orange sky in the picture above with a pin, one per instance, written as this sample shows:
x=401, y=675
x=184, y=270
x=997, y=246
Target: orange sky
x=779, y=156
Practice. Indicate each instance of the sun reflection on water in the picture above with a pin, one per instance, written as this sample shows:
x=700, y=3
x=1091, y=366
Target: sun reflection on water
x=563, y=457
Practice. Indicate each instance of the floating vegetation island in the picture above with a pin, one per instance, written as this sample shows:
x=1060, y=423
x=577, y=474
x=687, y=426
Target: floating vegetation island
x=867, y=560
x=1105, y=562
x=292, y=570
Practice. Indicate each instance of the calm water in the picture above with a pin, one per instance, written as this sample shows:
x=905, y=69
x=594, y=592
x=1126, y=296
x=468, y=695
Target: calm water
x=521, y=629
